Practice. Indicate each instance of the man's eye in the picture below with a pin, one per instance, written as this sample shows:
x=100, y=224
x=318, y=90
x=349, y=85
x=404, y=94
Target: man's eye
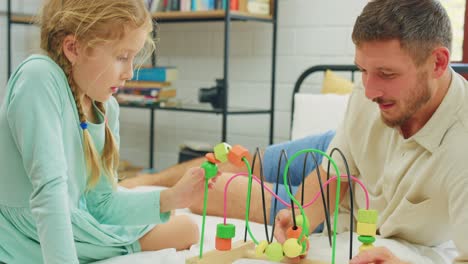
x=122, y=58
x=387, y=75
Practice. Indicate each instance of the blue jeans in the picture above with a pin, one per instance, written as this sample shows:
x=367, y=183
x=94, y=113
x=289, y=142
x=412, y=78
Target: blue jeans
x=296, y=169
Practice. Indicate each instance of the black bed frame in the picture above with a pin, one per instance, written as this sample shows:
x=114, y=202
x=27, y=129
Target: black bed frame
x=461, y=68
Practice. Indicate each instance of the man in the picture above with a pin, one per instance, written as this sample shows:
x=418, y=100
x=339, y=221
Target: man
x=405, y=131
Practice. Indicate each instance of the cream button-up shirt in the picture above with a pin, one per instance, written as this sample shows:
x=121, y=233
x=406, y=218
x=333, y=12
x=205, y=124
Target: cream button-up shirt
x=419, y=185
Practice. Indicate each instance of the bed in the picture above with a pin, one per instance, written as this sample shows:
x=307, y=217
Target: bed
x=303, y=124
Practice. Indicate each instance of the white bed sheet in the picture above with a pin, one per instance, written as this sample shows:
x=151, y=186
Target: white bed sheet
x=319, y=248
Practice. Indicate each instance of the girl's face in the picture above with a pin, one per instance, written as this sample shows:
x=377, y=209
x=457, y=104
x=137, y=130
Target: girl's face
x=100, y=70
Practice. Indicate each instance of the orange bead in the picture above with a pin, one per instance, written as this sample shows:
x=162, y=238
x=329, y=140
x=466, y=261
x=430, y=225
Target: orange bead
x=236, y=154
x=211, y=158
x=293, y=233
x=223, y=244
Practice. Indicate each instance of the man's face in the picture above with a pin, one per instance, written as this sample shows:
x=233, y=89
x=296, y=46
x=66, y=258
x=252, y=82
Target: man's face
x=393, y=81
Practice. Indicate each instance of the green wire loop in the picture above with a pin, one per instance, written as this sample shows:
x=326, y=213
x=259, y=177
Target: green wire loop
x=205, y=202
x=338, y=187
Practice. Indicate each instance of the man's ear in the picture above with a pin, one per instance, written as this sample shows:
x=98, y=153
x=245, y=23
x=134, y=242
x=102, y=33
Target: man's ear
x=70, y=48
x=441, y=56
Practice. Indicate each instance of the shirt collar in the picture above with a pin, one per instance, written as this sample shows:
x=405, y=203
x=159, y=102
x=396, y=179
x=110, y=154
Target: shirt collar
x=430, y=136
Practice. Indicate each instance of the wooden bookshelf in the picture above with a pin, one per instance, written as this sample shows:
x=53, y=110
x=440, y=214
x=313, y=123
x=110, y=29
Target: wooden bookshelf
x=173, y=16
x=22, y=19
x=206, y=15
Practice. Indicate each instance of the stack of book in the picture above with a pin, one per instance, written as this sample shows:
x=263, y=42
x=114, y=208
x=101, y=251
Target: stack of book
x=149, y=86
x=261, y=7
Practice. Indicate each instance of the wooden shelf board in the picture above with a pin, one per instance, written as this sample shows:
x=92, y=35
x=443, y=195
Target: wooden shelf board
x=168, y=16
x=26, y=19
x=211, y=14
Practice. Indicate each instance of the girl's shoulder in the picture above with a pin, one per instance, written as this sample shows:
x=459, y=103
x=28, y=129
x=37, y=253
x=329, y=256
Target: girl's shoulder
x=39, y=69
x=37, y=77
x=38, y=64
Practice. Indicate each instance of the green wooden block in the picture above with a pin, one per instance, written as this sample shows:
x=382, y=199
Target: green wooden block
x=367, y=216
x=225, y=231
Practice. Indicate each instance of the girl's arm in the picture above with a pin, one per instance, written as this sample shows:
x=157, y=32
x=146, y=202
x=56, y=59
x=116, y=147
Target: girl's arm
x=110, y=206
x=35, y=105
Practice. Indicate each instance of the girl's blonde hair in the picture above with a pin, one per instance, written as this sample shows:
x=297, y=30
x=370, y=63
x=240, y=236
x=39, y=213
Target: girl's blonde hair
x=92, y=22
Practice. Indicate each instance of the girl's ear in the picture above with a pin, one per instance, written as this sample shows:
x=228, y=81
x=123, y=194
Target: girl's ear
x=70, y=48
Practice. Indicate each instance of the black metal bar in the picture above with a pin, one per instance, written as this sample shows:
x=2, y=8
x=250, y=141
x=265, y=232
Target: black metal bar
x=461, y=68
x=227, y=35
x=151, y=154
x=273, y=71
x=8, y=39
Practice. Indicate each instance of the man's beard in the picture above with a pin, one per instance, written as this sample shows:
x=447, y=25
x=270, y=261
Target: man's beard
x=416, y=99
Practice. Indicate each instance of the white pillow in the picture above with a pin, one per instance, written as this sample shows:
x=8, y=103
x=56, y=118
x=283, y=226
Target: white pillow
x=317, y=113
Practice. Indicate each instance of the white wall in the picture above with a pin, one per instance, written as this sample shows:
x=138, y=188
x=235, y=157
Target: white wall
x=310, y=32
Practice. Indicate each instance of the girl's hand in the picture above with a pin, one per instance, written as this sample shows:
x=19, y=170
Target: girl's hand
x=189, y=189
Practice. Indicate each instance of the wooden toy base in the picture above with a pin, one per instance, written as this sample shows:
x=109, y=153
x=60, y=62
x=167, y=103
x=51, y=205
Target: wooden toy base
x=239, y=250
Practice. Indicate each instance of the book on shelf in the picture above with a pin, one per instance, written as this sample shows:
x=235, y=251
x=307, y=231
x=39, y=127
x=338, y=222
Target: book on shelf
x=145, y=96
x=145, y=84
x=155, y=74
x=259, y=7
x=159, y=93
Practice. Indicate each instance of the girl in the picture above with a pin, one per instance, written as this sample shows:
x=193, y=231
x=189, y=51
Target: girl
x=59, y=137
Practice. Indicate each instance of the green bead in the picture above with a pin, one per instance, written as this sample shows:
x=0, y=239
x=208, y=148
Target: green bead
x=221, y=151
x=274, y=252
x=225, y=231
x=299, y=222
x=367, y=216
x=366, y=239
x=210, y=169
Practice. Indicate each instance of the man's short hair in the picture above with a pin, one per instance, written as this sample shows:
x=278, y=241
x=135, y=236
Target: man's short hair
x=419, y=25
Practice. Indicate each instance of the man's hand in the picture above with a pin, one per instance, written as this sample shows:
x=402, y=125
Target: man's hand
x=283, y=222
x=378, y=255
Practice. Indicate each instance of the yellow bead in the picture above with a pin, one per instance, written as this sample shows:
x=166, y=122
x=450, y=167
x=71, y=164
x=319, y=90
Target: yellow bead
x=367, y=216
x=291, y=248
x=364, y=229
x=221, y=151
x=365, y=247
x=260, y=248
x=274, y=252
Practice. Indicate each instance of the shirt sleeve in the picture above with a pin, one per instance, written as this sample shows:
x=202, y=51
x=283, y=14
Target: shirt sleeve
x=109, y=206
x=34, y=114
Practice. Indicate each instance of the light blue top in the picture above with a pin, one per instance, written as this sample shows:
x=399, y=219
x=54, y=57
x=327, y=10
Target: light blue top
x=45, y=213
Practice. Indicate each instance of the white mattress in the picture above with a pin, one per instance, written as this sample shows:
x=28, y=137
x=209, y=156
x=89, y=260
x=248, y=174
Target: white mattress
x=319, y=248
